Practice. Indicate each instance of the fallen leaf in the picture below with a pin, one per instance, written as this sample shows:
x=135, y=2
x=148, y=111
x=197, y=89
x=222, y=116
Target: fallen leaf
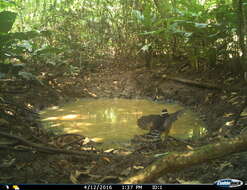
x=189, y=147
x=138, y=167
x=7, y=163
x=86, y=141
x=106, y=159
x=109, y=150
x=73, y=179
x=76, y=174
x=162, y=154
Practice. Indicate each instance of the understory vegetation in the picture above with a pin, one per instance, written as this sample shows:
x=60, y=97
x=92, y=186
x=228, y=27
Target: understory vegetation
x=73, y=34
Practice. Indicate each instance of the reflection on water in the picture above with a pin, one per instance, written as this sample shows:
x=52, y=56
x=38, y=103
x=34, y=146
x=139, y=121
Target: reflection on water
x=114, y=120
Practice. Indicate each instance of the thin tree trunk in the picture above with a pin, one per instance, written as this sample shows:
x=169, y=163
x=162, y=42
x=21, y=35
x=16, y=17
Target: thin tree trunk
x=242, y=33
x=163, y=7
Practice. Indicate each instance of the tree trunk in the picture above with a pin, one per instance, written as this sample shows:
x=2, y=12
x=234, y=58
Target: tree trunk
x=242, y=33
x=163, y=7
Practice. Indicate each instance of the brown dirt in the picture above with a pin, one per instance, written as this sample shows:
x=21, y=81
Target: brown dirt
x=114, y=80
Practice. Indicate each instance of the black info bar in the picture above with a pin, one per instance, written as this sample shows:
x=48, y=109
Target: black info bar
x=111, y=187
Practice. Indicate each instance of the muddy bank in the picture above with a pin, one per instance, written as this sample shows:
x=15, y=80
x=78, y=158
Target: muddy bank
x=216, y=107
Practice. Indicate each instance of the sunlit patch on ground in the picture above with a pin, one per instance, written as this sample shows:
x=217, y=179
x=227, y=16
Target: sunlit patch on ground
x=97, y=139
x=244, y=113
x=229, y=123
x=56, y=125
x=69, y=117
x=53, y=108
x=50, y=118
x=228, y=114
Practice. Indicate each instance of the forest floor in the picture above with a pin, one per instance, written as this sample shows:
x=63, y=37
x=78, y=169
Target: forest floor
x=114, y=79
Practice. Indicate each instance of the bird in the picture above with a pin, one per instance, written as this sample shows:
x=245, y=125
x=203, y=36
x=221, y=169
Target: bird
x=167, y=125
x=153, y=121
x=159, y=125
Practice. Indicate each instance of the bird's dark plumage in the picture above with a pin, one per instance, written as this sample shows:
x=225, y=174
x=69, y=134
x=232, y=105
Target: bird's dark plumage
x=161, y=122
x=151, y=122
x=159, y=126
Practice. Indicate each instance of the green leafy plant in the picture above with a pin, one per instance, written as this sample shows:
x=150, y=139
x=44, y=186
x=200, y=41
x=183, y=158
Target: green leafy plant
x=13, y=47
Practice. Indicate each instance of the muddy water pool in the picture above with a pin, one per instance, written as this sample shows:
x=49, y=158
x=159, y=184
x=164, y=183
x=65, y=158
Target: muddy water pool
x=114, y=121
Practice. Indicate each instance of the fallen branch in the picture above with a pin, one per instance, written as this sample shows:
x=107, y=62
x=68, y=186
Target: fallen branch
x=44, y=148
x=193, y=83
x=14, y=149
x=13, y=92
x=177, y=161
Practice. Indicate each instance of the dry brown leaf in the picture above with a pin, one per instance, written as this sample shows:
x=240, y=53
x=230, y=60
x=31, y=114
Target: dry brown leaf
x=189, y=147
x=76, y=174
x=106, y=159
x=138, y=167
x=109, y=150
x=73, y=179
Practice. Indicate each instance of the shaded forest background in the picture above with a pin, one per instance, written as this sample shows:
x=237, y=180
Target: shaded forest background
x=67, y=37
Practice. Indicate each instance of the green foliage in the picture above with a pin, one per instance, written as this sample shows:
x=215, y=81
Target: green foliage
x=7, y=19
x=6, y=3
x=11, y=69
x=80, y=31
x=13, y=47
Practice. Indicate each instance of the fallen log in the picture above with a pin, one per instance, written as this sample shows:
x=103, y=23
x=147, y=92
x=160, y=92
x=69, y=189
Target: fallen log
x=177, y=161
x=193, y=83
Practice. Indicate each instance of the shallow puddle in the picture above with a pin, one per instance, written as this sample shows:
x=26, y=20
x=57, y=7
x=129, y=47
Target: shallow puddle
x=113, y=121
